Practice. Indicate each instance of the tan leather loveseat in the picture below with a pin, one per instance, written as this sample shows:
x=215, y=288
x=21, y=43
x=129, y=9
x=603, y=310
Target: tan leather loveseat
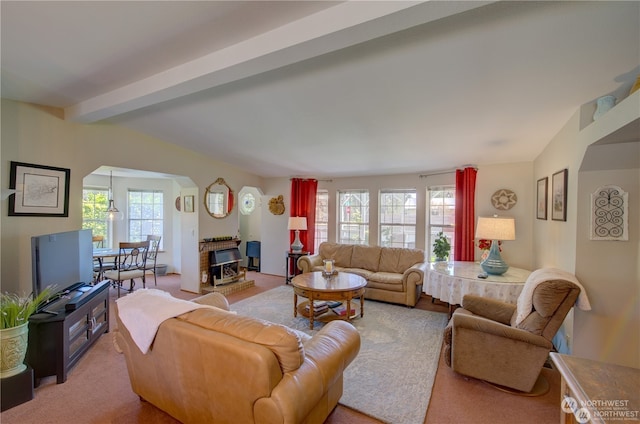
x=212, y=366
x=393, y=274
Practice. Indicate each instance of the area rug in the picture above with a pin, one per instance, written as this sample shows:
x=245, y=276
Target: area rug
x=392, y=376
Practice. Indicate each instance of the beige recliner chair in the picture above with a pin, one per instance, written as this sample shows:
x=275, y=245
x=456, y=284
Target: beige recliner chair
x=507, y=344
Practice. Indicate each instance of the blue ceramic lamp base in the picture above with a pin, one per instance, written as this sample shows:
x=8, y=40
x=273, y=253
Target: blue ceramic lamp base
x=296, y=246
x=494, y=264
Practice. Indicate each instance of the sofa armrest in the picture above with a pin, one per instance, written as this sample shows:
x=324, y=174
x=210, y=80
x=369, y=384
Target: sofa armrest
x=327, y=355
x=213, y=299
x=483, y=325
x=414, y=275
x=306, y=263
x=492, y=309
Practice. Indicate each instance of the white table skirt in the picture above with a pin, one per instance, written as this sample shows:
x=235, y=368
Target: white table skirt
x=450, y=281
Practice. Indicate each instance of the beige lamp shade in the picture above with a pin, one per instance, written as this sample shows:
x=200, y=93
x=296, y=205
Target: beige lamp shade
x=496, y=228
x=297, y=223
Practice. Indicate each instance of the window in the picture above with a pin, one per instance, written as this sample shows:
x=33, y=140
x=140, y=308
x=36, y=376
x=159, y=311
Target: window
x=442, y=209
x=353, y=217
x=95, y=202
x=322, y=218
x=146, y=214
x=398, y=218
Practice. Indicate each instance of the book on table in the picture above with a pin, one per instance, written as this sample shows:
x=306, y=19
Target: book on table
x=319, y=307
x=342, y=310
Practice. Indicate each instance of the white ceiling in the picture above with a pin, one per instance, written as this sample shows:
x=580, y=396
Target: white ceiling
x=325, y=89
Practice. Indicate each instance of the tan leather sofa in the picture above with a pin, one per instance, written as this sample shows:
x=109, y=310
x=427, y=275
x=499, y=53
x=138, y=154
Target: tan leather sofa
x=210, y=365
x=393, y=274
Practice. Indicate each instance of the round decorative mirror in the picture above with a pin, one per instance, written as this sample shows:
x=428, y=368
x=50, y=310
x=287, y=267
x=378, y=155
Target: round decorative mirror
x=218, y=199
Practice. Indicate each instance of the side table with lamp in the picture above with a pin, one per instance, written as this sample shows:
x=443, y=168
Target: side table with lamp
x=297, y=224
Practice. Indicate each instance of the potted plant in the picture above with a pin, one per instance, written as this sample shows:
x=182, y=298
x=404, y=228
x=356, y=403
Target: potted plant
x=441, y=247
x=14, y=329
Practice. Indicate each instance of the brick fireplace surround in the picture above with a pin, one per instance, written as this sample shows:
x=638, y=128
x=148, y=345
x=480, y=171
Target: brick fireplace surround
x=205, y=248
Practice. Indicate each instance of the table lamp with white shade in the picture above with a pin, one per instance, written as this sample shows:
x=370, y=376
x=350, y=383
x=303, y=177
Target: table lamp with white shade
x=495, y=229
x=297, y=223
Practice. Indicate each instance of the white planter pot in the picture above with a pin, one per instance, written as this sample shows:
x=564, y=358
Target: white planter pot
x=14, y=348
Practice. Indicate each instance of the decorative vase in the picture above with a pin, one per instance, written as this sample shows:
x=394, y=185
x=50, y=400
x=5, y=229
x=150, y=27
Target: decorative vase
x=14, y=348
x=603, y=104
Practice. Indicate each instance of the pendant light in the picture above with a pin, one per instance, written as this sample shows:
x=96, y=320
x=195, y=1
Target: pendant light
x=113, y=214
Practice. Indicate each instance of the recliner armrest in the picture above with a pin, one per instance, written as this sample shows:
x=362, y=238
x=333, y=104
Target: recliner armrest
x=484, y=325
x=492, y=309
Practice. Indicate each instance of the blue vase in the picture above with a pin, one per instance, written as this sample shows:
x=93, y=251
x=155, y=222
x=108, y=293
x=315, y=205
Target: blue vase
x=494, y=264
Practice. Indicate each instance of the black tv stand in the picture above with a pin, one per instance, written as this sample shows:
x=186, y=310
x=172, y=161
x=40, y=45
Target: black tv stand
x=64, y=331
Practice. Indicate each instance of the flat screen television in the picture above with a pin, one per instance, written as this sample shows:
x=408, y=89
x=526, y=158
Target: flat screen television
x=61, y=260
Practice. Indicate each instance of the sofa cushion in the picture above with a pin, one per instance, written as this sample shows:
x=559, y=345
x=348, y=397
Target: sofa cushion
x=386, y=280
x=282, y=341
x=340, y=253
x=364, y=273
x=366, y=257
x=397, y=259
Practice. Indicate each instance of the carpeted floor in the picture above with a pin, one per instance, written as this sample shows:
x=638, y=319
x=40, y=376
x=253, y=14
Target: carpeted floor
x=400, y=348
x=98, y=392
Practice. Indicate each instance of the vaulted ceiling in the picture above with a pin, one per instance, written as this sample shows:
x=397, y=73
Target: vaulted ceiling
x=320, y=88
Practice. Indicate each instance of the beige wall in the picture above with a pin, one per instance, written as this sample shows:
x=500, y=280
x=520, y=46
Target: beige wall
x=38, y=135
x=608, y=270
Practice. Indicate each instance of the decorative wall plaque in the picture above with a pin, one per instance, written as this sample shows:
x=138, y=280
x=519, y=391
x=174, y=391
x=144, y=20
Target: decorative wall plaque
x=276, y=205
x=504, y=199
x=609, y=215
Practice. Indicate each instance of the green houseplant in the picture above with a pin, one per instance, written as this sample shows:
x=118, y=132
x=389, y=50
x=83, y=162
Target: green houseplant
x=14, y=329
x=441, y=247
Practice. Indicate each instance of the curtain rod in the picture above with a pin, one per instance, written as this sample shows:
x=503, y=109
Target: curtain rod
x=447, y=171
x=317, y=179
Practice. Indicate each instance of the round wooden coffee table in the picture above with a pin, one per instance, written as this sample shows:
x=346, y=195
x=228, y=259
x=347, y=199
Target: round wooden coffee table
x=340, y=287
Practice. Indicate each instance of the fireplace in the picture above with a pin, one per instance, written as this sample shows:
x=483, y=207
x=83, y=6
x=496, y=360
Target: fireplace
x=224, y=266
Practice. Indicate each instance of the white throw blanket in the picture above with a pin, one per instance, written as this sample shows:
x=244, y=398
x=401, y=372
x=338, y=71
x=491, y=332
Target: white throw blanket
x=142, y=312
x=525, y=300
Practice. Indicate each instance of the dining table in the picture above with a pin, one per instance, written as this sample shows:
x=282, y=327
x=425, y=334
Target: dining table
x=100, y=255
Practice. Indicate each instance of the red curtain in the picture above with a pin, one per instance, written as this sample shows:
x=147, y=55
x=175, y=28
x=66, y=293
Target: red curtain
x=465, y=214
x=303, y=203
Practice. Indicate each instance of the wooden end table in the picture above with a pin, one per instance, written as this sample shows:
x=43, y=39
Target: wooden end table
x=341, y=287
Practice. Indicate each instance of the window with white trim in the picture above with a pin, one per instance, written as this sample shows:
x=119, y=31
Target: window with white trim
x=322, y=218
x=353, y=217
x=146, y=214
x=441, y=216
x=398, y=218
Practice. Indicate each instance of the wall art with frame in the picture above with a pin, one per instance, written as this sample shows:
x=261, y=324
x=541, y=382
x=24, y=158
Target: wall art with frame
x=541, y=202
x=188, y=203
x=559, y=195
x=40, y=190
x=609, y=214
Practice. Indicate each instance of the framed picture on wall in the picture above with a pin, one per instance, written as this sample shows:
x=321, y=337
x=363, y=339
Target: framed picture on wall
x=40, y=190
x=541, y=203
x=559, y=195
x=188, y=203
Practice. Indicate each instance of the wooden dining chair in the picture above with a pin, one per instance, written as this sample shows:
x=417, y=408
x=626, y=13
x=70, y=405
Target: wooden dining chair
x=130, y=264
